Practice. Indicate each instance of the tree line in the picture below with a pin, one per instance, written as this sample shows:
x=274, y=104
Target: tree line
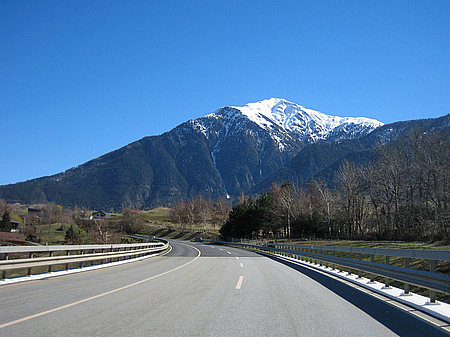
x=402, y=195
x=198, y=212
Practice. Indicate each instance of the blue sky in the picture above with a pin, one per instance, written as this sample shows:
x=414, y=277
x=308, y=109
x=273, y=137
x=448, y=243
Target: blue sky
x=81, y=78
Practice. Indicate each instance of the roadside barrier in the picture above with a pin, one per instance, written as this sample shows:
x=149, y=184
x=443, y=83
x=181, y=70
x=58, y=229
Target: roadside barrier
x=29, y=257
x=364, y=260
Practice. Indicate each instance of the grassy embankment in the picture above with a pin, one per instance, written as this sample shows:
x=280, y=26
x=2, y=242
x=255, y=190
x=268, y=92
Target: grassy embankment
x=52, y=234
x=159, y=224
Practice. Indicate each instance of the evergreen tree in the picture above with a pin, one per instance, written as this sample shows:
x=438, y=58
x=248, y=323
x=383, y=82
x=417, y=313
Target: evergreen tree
x=5, y=225
x=70, y=234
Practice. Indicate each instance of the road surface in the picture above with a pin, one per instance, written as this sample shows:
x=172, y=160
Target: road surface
x=200, y=290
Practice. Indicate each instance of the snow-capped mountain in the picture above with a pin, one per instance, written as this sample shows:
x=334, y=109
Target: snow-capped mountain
x=222, y=154
x=248, y=143
x=288, y=122
x=306, y=124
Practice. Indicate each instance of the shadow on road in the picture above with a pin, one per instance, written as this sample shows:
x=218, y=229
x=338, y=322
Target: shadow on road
x=395, y=319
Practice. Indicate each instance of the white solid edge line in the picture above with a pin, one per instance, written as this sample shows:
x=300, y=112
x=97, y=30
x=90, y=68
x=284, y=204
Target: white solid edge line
x=373, y=292
x=46, y=312
x=239, y=284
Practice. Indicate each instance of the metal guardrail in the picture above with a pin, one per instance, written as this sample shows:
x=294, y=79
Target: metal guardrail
x=435, y=282
x=426, y=254
x=12, y=256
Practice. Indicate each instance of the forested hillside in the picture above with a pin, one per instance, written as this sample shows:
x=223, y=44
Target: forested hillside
x=402, y=195
x=222, y=155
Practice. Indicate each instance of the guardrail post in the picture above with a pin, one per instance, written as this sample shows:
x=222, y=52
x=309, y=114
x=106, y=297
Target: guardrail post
x=67, y=265
x=386, y=280
x=432, y=292
x=29, y=269
x=406, y=287
x=372, y=276
x=50, y=266
x=320, y=261
x=80, y=264
x=5, y=257
x=359, y=270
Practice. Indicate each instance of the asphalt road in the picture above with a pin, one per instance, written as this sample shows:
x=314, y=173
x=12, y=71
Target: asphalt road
x=200, y=290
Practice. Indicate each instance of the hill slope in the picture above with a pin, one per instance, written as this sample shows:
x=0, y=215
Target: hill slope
x=218, y=155
x=322, y=159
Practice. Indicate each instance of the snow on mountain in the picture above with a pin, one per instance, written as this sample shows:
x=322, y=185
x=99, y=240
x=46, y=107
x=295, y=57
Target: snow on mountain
x=308, y=124
x=286, y=122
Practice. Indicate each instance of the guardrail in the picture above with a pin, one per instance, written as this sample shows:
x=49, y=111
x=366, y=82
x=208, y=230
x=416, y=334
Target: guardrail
x=12, y=257
x=432, y=280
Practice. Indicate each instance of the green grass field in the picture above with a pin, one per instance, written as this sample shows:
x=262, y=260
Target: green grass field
x=51, y=234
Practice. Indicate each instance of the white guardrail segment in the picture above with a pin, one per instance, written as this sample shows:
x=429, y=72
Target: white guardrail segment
x=426, y=279
x=12, y=256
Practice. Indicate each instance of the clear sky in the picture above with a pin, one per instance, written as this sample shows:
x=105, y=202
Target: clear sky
x=81, y=78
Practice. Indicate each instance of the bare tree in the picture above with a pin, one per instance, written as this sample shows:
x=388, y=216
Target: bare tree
x=351, y=184
x=221, y=208
x=178, y=214
x=3, y=206
x=283, y=197
x=326, y=201
x=202, y=211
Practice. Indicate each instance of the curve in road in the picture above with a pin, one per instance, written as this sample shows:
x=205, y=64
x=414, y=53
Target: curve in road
x=202, y=290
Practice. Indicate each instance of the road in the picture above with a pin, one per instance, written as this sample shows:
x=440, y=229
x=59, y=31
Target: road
x=199, y=290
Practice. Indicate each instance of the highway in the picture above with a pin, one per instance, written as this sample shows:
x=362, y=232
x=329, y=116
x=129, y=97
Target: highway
x=200, y=290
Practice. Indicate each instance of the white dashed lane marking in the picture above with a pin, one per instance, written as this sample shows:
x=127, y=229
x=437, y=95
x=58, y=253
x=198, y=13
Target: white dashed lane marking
x=239, y=284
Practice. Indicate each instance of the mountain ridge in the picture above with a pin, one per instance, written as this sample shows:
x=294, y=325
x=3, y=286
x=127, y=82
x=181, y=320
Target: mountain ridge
x=219, y=155
x=304, y=165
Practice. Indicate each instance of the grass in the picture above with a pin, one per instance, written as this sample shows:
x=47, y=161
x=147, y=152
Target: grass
x=161, y=214
x=175, y=232
x=159, y=223
x=50, y=233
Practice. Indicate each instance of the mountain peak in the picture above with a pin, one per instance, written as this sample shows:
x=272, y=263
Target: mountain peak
x=278, y=114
